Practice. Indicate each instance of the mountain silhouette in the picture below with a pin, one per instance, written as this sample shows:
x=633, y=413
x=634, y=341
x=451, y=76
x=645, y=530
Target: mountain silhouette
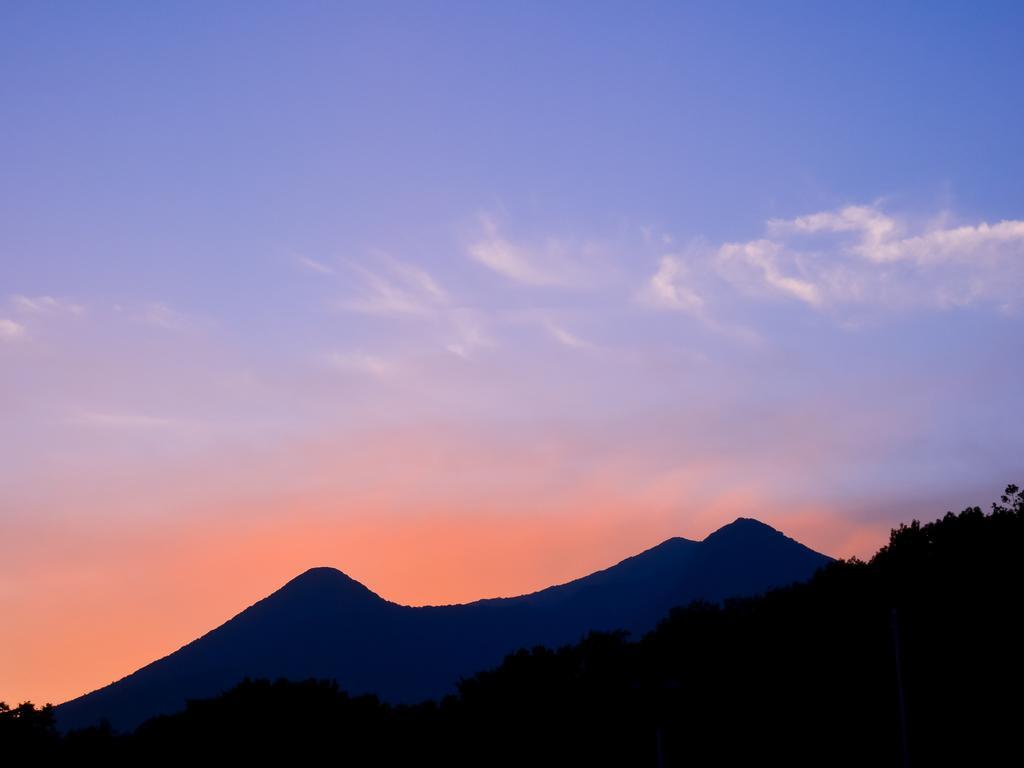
x=324, y=624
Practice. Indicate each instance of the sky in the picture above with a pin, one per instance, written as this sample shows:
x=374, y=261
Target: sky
x=466, y=299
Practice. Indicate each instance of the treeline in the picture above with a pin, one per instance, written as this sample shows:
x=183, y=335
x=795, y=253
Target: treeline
x=912, y=658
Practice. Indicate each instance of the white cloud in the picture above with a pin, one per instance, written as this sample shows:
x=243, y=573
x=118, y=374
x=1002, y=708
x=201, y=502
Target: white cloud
x=764, y=257
x=982, y=242
x=873, y=225
x=668, y=287
x=864, y=255
x=547, y=265
x=10, y=330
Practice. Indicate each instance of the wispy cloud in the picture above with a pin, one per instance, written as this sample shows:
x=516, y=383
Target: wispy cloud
x=162, y=315
x=397, y=288
x=312, y=265
x=10, y=330
x=32, y=312
x=566, y=337
x=685, y=282
x=421, y=281
x=38, y=305
x=363, y=364
x=467, y=332
x=122, y=420
x=860, y=254
x=551, y=263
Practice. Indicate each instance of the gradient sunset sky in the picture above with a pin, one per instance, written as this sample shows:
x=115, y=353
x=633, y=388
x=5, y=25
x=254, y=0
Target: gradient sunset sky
x=466, y=299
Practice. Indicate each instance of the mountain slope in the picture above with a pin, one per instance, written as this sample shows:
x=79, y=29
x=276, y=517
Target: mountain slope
x=324, y=624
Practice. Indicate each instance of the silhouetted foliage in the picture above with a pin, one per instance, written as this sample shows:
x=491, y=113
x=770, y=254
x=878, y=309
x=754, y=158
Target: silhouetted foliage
x=913, y=656
x=28, y=727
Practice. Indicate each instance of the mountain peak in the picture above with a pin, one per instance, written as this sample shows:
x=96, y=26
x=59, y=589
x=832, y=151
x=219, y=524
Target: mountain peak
x=322, y=572
x=327, y=582
x=751, y=523
x=746, y=537
x=743, y=526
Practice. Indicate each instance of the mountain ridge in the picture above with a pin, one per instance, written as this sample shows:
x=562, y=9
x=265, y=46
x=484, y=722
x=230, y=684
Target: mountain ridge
x=317, y=571
x=323, y=623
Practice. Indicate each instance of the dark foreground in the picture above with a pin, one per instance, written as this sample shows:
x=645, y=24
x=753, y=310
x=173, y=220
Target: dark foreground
x=915, y=658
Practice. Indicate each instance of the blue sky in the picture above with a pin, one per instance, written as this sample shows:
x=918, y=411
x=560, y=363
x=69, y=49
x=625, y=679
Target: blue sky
x=620, y=266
